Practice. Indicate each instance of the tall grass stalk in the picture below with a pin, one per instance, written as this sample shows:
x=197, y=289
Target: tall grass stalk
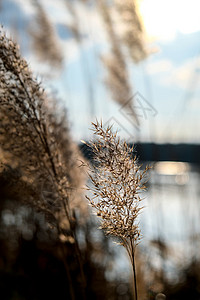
x=35, y=139
x=116, y=184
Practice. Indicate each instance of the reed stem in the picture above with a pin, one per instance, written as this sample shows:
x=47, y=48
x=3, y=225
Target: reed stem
x=134, y=271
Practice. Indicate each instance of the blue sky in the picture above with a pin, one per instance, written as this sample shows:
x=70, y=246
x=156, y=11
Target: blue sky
x=166, y=84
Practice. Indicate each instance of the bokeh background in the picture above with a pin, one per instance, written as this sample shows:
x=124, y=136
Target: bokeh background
x=138, y=68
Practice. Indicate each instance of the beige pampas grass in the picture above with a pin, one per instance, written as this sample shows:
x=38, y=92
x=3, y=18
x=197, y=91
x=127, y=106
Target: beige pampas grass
x=116, y=184
x=117, y=74
x=45, y=40
x=133, y=35
x=36, y=139
x=117, y=78
x=75, y=25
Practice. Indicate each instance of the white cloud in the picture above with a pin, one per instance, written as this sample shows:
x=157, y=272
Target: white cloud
x=159, y=66
x=186, y=76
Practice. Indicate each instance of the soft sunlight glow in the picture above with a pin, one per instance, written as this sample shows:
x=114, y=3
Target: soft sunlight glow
x=171, y=167
x=164, y=18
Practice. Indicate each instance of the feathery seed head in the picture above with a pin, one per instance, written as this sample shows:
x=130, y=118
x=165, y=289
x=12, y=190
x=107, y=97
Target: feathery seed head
x=116, y=183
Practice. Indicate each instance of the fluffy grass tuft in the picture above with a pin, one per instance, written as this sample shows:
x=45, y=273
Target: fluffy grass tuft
x=116, y=184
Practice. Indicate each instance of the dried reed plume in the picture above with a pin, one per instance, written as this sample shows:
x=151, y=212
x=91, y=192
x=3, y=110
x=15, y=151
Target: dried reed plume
x=116, y=184
x=133, y=31
x=35, y=139
x=75, y=26
x=45, y=41
x=117, y=79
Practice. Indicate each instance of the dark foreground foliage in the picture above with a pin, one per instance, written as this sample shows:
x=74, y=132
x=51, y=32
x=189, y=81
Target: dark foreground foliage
x=32, y=257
